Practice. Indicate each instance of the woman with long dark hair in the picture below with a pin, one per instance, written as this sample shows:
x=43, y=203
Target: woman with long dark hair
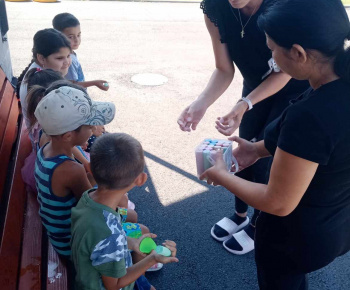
x=305, y=207
x=238, y=41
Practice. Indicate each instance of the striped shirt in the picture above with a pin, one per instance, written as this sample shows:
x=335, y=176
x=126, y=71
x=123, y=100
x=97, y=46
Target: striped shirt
x=55, y=211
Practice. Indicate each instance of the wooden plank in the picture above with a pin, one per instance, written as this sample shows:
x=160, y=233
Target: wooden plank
x=5, y=105
x=30, y=267
x=7, y=142
x=2, y=76
x=2, y=82
x=60, y=282
x=10, y=250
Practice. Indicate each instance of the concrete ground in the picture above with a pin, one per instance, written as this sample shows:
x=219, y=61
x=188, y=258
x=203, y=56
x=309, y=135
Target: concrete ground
x=120, y=39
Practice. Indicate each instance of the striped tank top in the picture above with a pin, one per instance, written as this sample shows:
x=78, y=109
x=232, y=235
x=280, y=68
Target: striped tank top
x=55, y=211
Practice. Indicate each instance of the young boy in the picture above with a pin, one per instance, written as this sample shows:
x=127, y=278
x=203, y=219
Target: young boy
x=67, y=115
x=69, y=25
x=100, y=249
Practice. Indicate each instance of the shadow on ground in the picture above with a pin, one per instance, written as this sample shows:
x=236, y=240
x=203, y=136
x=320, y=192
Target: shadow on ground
x=204, y=263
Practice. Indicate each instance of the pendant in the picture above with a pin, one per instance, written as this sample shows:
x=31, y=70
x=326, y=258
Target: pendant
x=242, y=33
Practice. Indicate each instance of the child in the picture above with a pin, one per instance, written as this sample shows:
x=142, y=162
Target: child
x=51, y=50
x=99, y=245
x=69, y=25
x=35, y=77
x=67, y=115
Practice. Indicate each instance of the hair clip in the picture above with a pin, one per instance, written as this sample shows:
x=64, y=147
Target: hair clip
x=38, y=69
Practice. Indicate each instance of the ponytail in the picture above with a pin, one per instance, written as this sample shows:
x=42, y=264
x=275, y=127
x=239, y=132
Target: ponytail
x=35, y=94
x=20, y=78
x=342, y=63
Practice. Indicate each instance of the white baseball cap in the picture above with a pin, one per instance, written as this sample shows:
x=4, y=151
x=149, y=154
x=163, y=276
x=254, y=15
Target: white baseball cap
x=66, y=109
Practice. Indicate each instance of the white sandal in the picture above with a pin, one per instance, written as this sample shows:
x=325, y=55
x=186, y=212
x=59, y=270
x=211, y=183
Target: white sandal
x=246, y=242
x=229, y=226
x=155, y=267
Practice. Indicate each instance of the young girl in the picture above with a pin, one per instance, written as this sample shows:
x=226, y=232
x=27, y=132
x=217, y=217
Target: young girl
x=51, y=50
x=35, y=77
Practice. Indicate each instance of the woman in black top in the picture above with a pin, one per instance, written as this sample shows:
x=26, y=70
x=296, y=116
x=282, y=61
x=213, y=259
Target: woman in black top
x=305, y=219
x=237, y=39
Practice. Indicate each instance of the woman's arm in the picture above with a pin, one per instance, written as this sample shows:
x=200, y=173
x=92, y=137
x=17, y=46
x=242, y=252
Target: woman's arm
x=290, y=177
x=229, y=123
x=217, y=85
x=272, y=85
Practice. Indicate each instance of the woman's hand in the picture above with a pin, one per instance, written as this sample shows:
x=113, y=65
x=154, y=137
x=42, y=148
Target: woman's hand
x=212, y=175
x=246, y=153
x=191, y=116
x=229, y=123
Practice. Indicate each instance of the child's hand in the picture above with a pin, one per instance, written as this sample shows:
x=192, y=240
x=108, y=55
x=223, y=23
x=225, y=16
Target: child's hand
x=84, y=146
x=102, y=85
x=134, y=244
x=213, y=173
x=171, y=245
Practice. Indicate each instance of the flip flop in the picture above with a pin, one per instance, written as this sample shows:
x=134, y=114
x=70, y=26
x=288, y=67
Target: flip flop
x=229, y=226
x=131, y=205
x=243, y=239
x=155, y=267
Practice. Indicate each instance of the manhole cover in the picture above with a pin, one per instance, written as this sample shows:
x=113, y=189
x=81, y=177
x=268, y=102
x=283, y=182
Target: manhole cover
x=149, y=79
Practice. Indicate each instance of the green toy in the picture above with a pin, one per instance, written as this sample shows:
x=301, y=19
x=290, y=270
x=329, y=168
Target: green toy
x=147, y=245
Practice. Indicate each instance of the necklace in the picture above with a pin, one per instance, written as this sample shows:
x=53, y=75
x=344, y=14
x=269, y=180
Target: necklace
x=240, y=19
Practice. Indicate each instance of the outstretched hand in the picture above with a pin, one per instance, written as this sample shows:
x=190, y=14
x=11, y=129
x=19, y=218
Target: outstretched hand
x=171, y=245
x=101, y=84
x=229, y=123
x=191, y=116
x=134, y=244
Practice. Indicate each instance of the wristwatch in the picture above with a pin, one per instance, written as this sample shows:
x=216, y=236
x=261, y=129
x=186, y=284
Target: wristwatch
x=250, y=105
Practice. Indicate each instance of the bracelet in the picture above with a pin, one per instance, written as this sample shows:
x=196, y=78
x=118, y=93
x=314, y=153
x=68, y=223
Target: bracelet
x=249, y=103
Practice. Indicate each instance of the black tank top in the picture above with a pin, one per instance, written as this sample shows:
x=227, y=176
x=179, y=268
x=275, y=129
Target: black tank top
x=250, y=53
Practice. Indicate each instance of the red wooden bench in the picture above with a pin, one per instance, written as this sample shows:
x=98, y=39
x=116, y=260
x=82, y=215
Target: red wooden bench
x=25, y=252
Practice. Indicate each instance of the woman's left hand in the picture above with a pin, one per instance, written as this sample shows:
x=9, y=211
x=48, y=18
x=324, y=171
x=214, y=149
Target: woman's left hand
x=212, y=175
x=229, y=123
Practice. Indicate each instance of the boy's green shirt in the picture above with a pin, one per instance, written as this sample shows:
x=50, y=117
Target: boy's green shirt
x=99, y=244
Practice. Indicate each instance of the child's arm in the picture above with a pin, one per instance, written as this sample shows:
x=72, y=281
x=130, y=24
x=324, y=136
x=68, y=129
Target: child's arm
x=79, y=156
x=70, y=177
x=101, y=84
x=134, y=272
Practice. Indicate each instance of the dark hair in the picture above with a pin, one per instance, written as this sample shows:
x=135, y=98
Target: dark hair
x=314, y=24
x=64, y=20
x=37, y=92
x=39, y=80
x=116, y=160
x=45, y=42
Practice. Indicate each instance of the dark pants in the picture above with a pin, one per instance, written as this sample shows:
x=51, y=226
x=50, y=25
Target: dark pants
x=275, y=268
x=253, y=126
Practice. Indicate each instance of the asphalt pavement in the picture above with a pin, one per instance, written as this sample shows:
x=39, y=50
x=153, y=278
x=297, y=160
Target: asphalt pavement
x=119, y=40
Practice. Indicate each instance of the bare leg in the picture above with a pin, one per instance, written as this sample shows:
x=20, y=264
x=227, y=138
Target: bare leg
x=132, y=216
x=124, y=202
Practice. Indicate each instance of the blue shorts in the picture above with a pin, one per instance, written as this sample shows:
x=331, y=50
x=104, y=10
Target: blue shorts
x=142, y=284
